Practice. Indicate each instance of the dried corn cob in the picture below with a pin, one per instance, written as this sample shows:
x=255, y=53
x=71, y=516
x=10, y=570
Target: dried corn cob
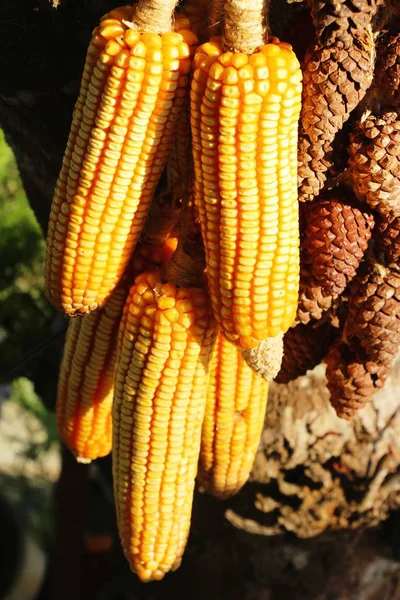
x=179, y=162
x=336, y=236
x=305, y=346
x=165, y=344
x=121, y=131
x=86, y=379
x=338, y=70
x=233, y=422
x=374, y=164
x=351, y=381
x=372, y=328
x=244, y=114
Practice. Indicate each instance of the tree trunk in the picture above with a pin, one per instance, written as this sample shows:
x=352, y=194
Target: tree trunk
x=310, y=522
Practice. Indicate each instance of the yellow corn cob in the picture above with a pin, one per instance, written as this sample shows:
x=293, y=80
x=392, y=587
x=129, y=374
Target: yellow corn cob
x=165, y=343
x=121, y=131
x=233, y=421
x=179, y=157
x=86, y=379
x=244, y=117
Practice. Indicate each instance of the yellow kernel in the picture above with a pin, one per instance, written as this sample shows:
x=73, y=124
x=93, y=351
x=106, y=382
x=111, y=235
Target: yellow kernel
x=171, y=38
x=112, y=48
x=132, y=37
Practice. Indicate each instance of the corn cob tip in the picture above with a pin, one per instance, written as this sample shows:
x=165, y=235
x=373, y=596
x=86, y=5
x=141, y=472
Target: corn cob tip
x=266, y=359
x=82, y=460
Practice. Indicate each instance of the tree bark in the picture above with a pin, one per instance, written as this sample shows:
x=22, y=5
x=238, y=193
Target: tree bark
x=307, y=523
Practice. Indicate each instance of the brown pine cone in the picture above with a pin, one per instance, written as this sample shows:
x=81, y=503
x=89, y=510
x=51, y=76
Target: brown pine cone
x=387, y=237
x=335, y=79
x=387, y=69
x=336, y=236
x=336, y=18
x=372, y=328
x=351, y=381
x=304, y=347
x=313, y=301
x=374, y=164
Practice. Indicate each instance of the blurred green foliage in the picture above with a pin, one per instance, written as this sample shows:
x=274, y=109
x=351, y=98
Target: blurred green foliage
x=26, y=321
x=25, y=314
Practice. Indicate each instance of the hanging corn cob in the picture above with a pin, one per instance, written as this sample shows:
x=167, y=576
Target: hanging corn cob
x=233, y=422
x=165, y=343
x=245, y=103
x=86, y=380
x=122, y=128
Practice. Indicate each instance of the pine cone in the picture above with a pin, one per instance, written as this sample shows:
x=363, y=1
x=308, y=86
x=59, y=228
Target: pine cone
x=336, y=18
x=336, y=236
x=335, y=79
x=387, y=69
x=372, y=328
x=374, y=164
x=313, y=301
x=387, y=237
x=351, y=381
x=304, y=347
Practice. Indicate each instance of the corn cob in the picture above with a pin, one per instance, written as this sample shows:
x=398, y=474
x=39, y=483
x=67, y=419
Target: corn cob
x=233, y=422
x=244, y=115
x=122, y=128
x=86, y=379
x=165, y=342
x=179, y=156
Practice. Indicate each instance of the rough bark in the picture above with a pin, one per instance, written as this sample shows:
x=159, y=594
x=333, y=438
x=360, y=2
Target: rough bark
x=306, y=525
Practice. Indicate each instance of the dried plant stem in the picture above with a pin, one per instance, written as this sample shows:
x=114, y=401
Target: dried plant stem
x=245, y=25
x=186, y=267
x=215, y=18
x=154, y=16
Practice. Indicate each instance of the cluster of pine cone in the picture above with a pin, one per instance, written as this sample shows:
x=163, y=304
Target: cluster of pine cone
x=349, y=188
